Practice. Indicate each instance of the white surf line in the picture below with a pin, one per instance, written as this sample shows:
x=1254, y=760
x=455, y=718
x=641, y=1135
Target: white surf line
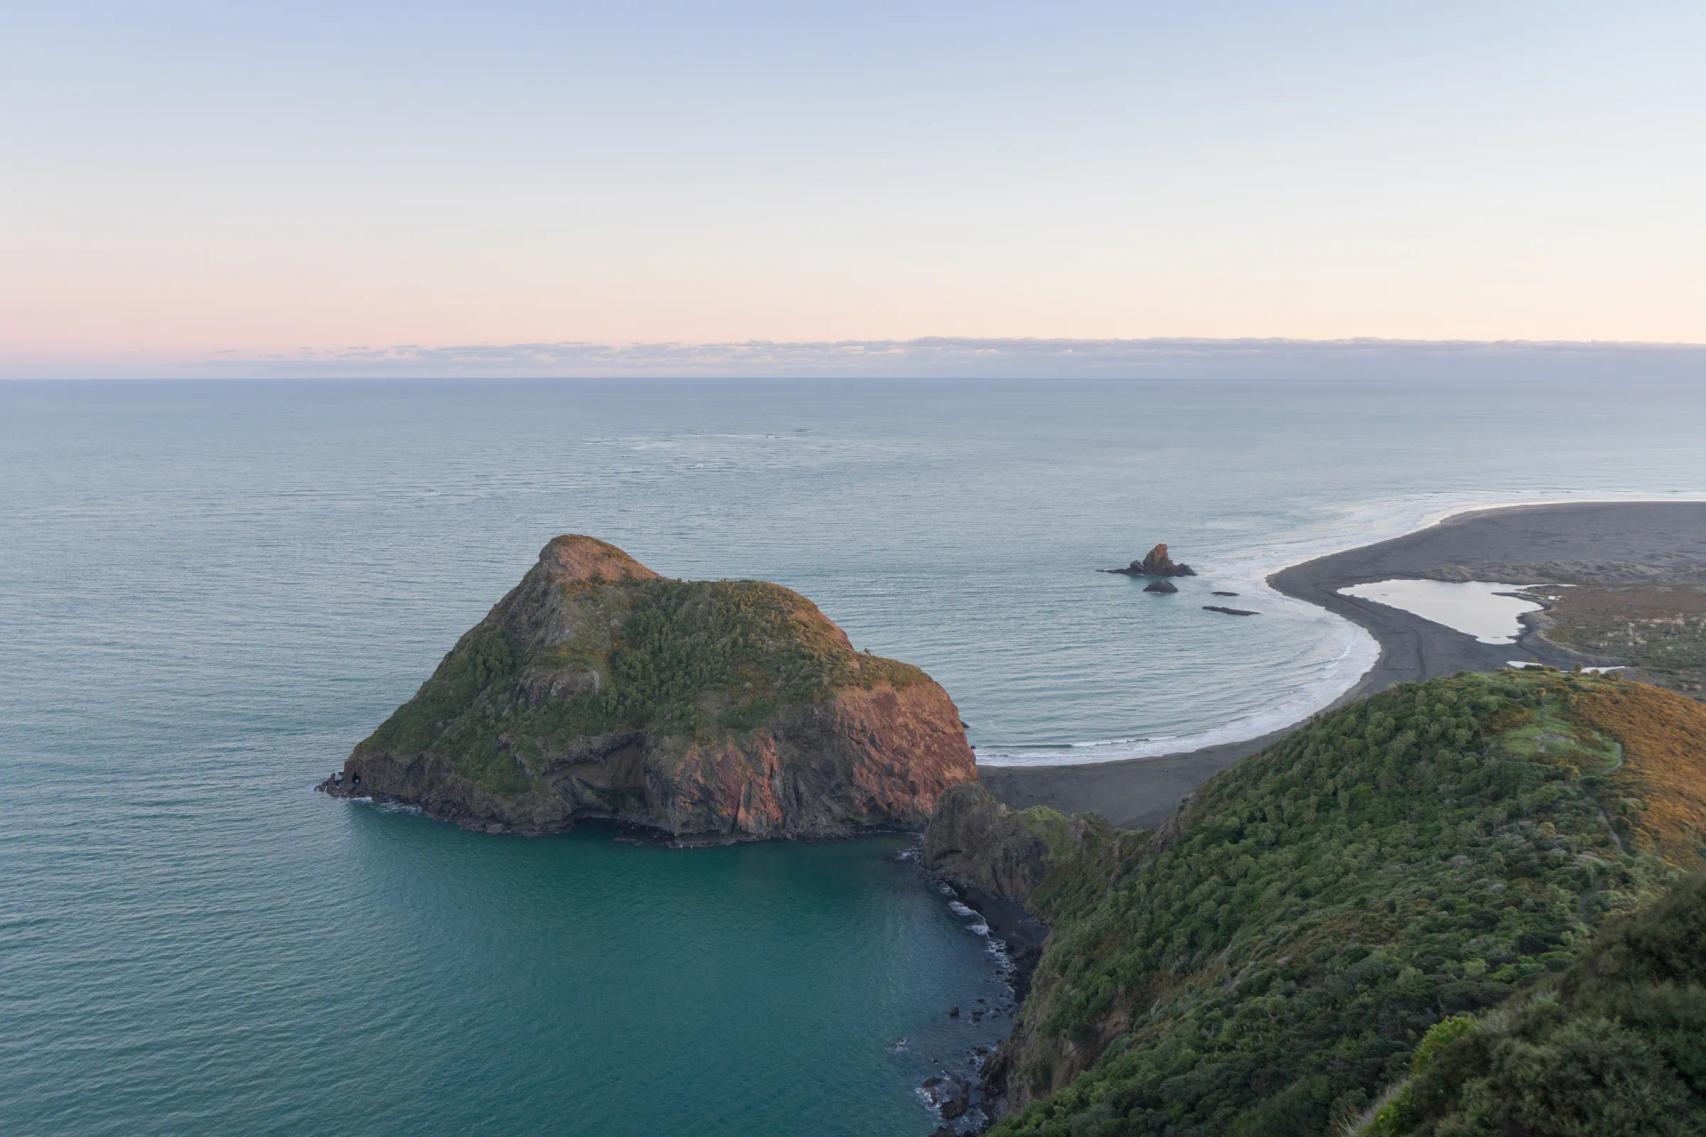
x=1360, y=650
x=1526, y=664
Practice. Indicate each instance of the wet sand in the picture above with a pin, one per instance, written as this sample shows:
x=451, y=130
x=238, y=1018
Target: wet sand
x=1579, y=543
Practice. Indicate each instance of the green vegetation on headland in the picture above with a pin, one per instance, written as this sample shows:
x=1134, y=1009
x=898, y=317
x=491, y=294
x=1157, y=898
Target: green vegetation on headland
x=685, y=659
x=1269, y=961
x=705, y=709
x=1615, y=1045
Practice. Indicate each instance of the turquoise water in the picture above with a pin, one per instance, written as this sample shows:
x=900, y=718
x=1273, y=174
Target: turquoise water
x=210, y=592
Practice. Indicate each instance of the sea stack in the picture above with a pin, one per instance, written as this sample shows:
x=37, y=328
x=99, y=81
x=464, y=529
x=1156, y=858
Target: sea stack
x=597, y=689
x=1155, y=563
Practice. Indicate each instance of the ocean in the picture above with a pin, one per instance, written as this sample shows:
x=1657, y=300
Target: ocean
x=210, y=591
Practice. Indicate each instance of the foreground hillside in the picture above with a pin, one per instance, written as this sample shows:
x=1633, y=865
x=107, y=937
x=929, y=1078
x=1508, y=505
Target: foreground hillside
x=1617, y=1044
x=598, y=689
x=1268, y=962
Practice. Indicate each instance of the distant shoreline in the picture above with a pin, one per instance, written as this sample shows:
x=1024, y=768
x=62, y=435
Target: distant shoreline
x=1532, y=541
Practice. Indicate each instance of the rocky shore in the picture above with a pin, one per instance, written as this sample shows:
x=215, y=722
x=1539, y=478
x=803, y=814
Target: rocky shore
x=995, y=859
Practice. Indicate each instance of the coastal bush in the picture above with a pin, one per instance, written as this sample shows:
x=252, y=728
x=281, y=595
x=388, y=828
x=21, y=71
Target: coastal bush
x=1617, y=1044
x=686, y=659
x=1272, y=959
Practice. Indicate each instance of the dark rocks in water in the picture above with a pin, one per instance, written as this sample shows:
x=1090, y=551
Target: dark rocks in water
x=1223, y=594
x=1229, y=611
x=1155, y=563
x=950, y=1095
x=953, y=1012
x=1158, y=563
x=1162, y=586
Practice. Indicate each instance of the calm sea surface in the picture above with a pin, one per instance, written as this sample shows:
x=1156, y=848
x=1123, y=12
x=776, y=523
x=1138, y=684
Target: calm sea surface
x=210, y=591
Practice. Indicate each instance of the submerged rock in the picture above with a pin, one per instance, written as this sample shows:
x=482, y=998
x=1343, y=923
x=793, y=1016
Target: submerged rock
x=1229, y=611
x=713, y=710
x=1155, y=563
x=1162, y=586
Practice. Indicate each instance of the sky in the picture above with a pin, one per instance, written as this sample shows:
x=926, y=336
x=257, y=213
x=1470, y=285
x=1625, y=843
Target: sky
x=423, y=187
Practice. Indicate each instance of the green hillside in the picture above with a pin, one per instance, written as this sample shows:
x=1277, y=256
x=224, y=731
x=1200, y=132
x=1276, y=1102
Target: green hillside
x=687, y=659
x=1268, y=962
x=1617, y=1044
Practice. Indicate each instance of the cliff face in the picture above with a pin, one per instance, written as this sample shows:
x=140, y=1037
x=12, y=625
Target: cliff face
x=979, y=844
x=598, y=689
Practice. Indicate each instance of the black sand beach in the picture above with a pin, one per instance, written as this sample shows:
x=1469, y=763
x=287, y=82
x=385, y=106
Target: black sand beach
x=1577, y=543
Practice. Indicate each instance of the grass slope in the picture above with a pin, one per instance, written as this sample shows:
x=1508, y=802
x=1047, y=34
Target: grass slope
x=1658, y=629
x=1268, y=964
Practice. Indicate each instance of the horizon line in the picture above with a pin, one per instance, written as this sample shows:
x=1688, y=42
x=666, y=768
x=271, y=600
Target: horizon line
x=923, y=357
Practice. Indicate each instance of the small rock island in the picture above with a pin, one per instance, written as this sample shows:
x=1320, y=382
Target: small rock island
x=707, y=710
x=1155, y=563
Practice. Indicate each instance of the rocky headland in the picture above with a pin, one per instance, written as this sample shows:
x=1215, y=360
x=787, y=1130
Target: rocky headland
x=987, y=849
x=724, y=710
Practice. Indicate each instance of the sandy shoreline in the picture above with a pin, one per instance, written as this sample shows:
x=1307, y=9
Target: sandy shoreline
x=1580, y=542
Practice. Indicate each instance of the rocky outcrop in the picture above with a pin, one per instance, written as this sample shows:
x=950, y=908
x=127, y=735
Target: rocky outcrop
x=980, y=845
x=707, y=710
x=1161, y=586
x=1005, y=862
x=1229, y=611
x=1155, y=563
x=949, y=1095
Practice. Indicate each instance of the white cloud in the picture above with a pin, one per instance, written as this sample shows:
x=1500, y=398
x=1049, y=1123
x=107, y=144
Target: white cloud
x=939, y=356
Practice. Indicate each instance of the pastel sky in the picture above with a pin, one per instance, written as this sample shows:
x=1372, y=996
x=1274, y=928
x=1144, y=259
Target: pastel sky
x=224, y=188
